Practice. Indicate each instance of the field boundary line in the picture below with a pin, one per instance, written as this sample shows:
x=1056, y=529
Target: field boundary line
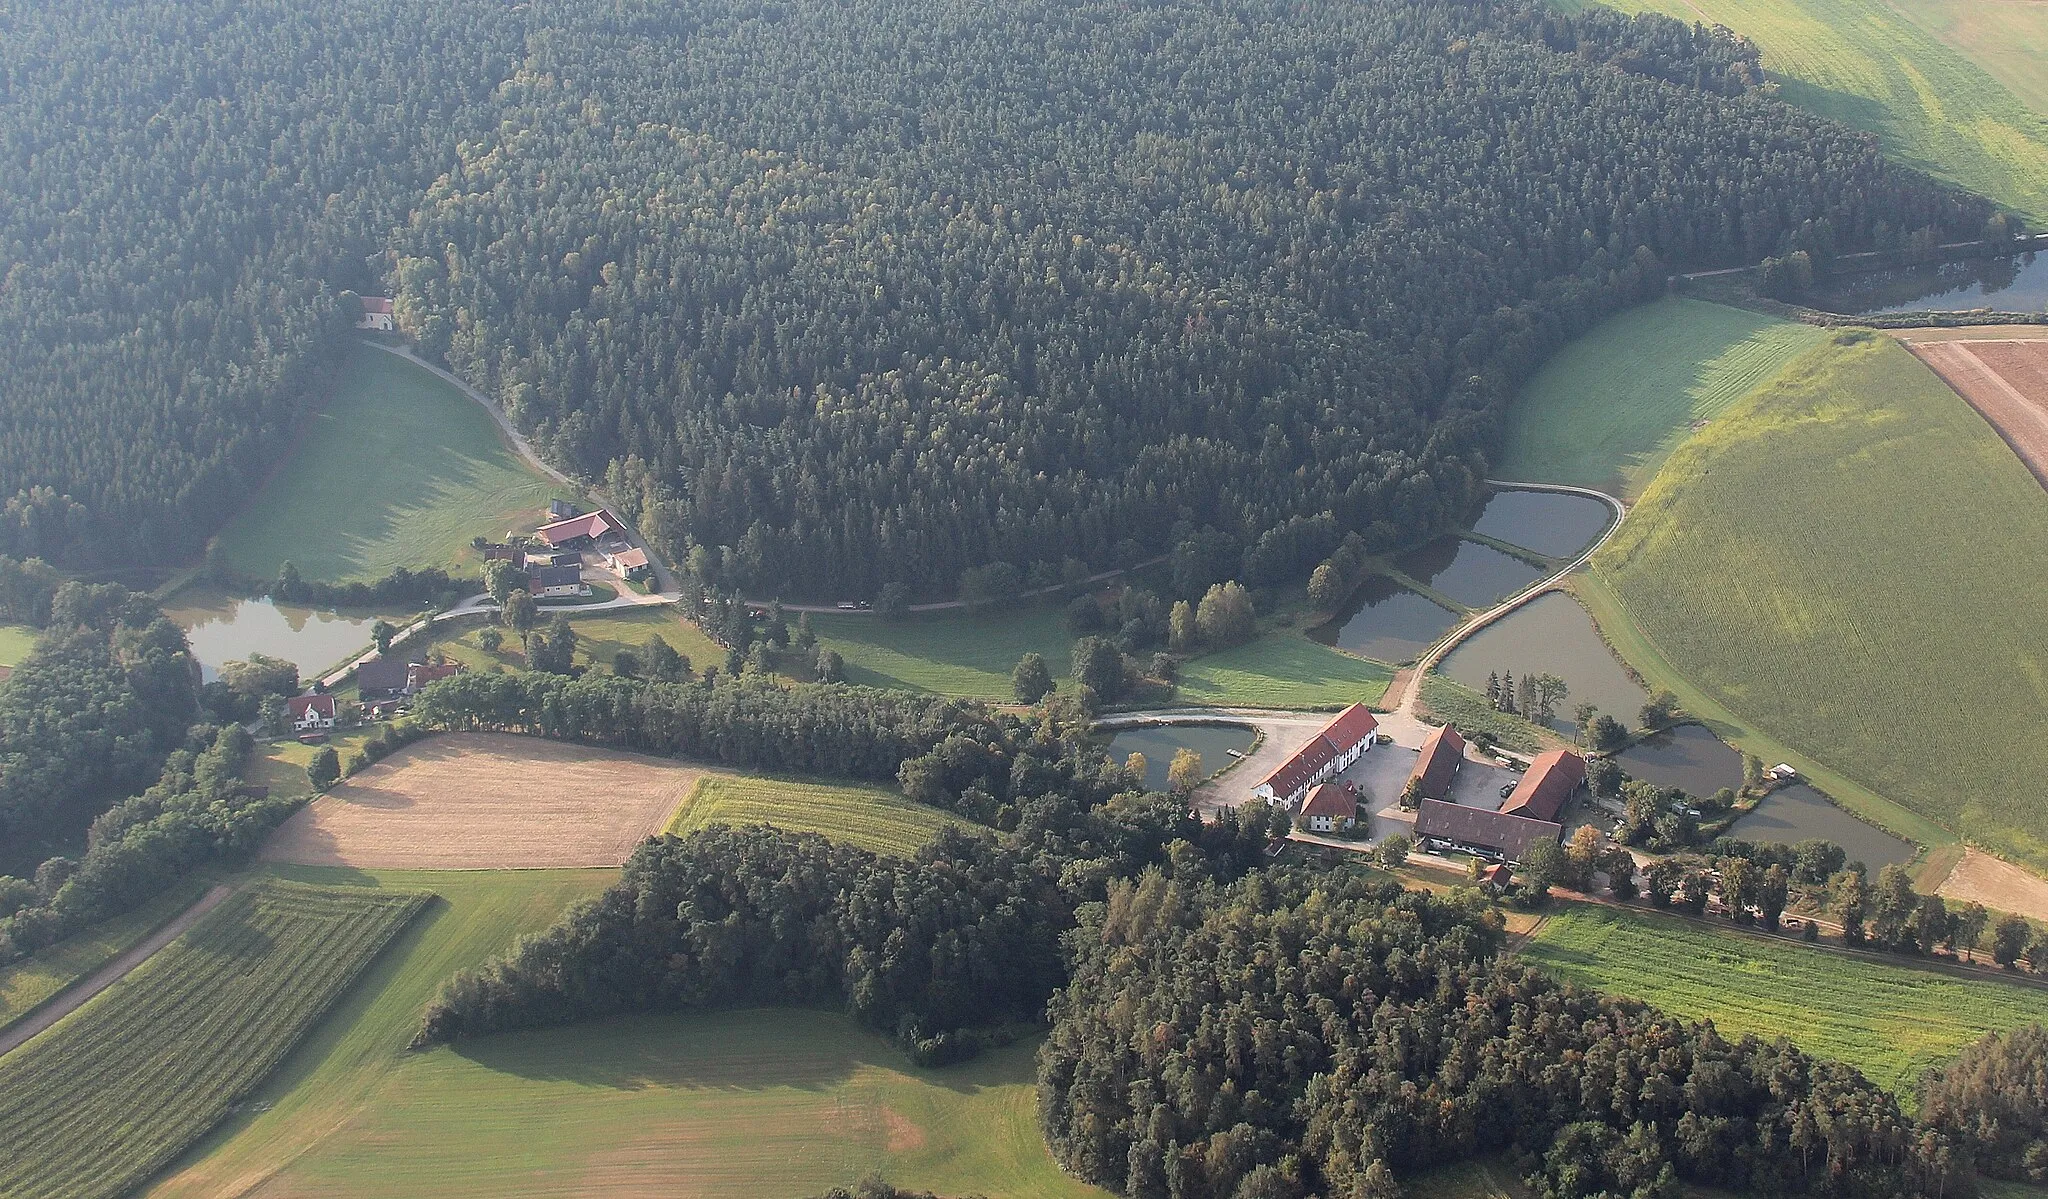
x=79, y=993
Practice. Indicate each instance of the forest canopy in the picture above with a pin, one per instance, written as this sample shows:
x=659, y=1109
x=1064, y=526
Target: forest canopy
x=843, y=295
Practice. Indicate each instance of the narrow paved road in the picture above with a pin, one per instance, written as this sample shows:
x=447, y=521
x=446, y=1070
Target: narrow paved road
x=75, y=997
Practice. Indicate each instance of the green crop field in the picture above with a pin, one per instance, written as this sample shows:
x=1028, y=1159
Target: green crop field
x=2005, y=37
x=869, y=817
x=27, y=984
x=399, y=469
x=1891, y=1022
x=774, y=1103
x=1603, y=413
x=1282, y=669
x=1838, y=562
x=1874, y=67
x=142, y=1071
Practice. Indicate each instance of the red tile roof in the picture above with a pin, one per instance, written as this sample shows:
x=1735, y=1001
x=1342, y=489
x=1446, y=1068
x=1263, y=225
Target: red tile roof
x=1441, y=754
x=1353, y=726
x=630, y=559
x=297, y=705
x=1335, y=800
x=1550, y=781
x=379, y=305
x=590, y=524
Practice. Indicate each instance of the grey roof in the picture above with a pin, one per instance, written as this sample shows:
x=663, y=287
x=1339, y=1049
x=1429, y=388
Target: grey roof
x=384, y=673
x=557, y=576
x=1511, y=835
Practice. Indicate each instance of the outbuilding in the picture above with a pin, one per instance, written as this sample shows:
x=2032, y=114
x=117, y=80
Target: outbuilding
x=1331, y=807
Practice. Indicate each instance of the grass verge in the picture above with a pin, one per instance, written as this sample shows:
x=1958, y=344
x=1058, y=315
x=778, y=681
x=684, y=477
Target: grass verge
x=28, y=984
x=145, y=1069
x=868, y=817
x=1891, y=1022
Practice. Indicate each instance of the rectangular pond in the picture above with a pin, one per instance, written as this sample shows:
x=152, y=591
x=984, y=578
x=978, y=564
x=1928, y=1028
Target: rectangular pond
x=1213, y=742
x=1386, y=622
x=2015, y=283
x=1475, y=575
x=1687, y=757
x=1797, y=813
x=1555, y=524
x=1550, y=634
x=224, y=629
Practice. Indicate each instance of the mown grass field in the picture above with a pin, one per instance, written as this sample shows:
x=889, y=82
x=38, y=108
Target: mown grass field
x=1282, y=669
x=1930, y=101
x=599, y=638
x=869, y=817
x=2006, y=37
x=1891, y=1022
x=26, y=984
x=1602, y=413
x=100, y=1102
x=1842, y=561
x=775, y=1103
x=399, y=469
x=15, y=642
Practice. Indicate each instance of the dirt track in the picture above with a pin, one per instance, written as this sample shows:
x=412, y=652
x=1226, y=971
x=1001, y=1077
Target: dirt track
x=485, y=801
x=2006, y=381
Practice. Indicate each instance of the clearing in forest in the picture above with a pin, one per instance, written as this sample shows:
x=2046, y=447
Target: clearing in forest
x=1837, y=561
x=145, y=1069
x=1891, y=1022
x=1914, y=72
x=487, y=801
x=398, y=469
x=868, y=817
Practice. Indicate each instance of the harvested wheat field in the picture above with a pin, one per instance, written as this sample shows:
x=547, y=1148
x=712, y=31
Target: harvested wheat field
x=484, y=801
x=1997, y=884
x=2006, y=381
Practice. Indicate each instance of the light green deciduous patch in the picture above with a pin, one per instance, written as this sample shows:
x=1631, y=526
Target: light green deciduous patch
x=399, y=469
x=868, y=817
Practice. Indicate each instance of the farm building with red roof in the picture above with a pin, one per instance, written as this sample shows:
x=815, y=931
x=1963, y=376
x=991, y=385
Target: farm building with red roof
x=1333, y=749
x=1551, y=780
x=1442, y=825
x=1442, y=753
x=310, y=713
x=1330, y=807
x=577, y=529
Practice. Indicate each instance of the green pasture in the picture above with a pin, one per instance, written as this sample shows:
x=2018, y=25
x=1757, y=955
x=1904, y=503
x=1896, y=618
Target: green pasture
x=1880, y=66
x=599, y=638
x=1452, y=702
x=774, y=1103
x=142, y=1071
x=15, y=642
x=1282, y=669
x=27, y=984
x=1606, y=410
x=398, y=469
x=1891, y=1022
x=1837, y=562
x=949, y=653
x=868, y=817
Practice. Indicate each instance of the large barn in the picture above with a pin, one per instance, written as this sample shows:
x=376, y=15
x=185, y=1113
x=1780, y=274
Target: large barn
x=1441, y=825
x=1333, y=749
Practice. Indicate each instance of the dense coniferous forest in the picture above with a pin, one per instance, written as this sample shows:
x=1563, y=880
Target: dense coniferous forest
x=847, y=295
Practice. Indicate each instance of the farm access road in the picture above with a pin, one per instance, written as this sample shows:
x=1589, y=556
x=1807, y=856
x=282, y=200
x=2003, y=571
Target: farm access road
x=75, y=996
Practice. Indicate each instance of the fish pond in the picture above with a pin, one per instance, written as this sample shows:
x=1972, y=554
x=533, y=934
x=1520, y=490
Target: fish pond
x=1551, y=634
x=224, y=629
x=1386, y=622
x=1475, y=575
x=1214, y=742
x=1687, y=757
x=1797, y=813
x=2016, y=283
x=1555, y=524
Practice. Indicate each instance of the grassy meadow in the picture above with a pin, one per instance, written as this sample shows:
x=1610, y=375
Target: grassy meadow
x=1925, y=76
x=15, y=642
x=399, y=469
x=599, y=638
x=26, y=984
x=1838, y=561
x=1891, y=1022
x=771, y=1103
x=869, y=817
x=1601, y=413
x=1282, y=669
x=145, y=1069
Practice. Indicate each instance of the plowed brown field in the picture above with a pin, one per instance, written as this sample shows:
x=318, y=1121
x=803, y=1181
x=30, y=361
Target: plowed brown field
x=2005, y=380
x=484, y=801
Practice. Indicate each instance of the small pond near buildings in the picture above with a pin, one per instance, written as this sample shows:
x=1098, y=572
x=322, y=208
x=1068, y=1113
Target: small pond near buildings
x=1798, y=812
x=1386, y=622
x=224, y=629
x=1687, y=757
x=1214, y=742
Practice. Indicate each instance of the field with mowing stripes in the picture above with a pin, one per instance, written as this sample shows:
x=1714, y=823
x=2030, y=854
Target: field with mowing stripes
x=145, y=1069
x=1891, y=1022
x=868, y=817
x=1870, y=65
x=1847, y=541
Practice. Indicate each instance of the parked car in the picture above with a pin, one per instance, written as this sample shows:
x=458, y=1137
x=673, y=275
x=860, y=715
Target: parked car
x=1506, y=789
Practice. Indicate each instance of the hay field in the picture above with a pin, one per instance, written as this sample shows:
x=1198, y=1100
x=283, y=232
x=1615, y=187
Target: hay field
x=145, y=1069
x=487, y=801
x=1931, y=102
x=946, y=653
x=399, y=469
x=1602, y=413
x=869, y=817
x=1891, y=1022
x=1837, y=562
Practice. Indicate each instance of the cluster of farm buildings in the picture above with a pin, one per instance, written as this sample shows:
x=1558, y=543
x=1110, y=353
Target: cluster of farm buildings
x=553, y=557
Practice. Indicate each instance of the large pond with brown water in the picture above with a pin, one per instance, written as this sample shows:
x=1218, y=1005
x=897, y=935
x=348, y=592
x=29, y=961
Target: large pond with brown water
x=1550, y=634
x=1799, y=813
x=1466, y=572
x=224, y=629
x=1688, y=757
x=1555, y=524
x=1386, y=622
x=1214, y=742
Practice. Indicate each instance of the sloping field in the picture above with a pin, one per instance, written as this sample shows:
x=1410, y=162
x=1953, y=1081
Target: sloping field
x=1603, y=414
x=399, y=469
x=949, y=654
x=1891, y=1022
x=1868, y=65
x=487, y=801
x=2006, y=381
x=2005, y=37
x=115, y=1092
x=1282, y=669
x=1848, y=560
x=25, y=985
x=869, y=817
